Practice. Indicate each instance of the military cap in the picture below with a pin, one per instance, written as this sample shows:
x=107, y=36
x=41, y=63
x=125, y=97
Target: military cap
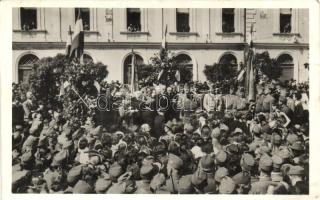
x=276, y=176
x=198, y=177
x=148, y=160
x=277, y=161
x=157, y=181
x=220, y=173
x=52, y=178
x=188, y=128
x=145, y=149
x=242, y=178
x=266, y=129
x=174, y=161
x=173, y=146
x=169, y=125
x=284, y=153
x=232, y=149
x=256, y=129
x=221, y=157
x=20, y=178
x=247, y=161
x=115, y=171
x=147, y=171
x=224, y=127
x=197, y=152
x=291, y=138
x=277, y=139
x=296, y=170
x=227, y=185
x=82, y=187
x=265, y=163
x=297, y=145
x=74, y=175
x=207, y=163
x=215, y=133
x=58, y=158
x=102, y=185
x=185, y=185
x=26, y=157
x=237, y=130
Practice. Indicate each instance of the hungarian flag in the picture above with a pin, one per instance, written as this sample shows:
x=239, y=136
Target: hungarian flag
x=177, y=75
x=163, y=44
x=68, y=43
x=78, y=39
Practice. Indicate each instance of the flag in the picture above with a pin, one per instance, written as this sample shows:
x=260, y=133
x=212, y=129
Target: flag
x=177, y=75
x=78, y=39
x=63, y=88
x=133, y=72
x=97, y=85
x=163, y=44
x=160, y=74
x=241, y=75
x=68, y=43
x=251, y=95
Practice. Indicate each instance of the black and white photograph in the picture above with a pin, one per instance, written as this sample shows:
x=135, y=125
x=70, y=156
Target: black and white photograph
x=178, y=100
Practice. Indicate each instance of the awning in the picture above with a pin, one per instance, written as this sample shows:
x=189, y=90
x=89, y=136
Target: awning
x=183, y=10
x=133, y=10
x=285, y=11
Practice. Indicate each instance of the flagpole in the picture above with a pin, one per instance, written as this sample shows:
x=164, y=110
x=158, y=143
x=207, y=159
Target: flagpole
x=132, y=71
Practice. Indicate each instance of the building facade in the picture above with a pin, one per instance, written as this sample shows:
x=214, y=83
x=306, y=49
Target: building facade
x=196, y=36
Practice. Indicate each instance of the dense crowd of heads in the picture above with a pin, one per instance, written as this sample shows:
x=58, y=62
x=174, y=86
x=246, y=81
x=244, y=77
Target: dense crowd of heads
x=195, y=138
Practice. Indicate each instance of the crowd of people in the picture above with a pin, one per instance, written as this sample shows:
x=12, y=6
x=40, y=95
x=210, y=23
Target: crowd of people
x=196, y=138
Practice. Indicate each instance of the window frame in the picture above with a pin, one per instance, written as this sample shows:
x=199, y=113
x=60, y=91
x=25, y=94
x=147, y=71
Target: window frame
x=36, y=18
x=89, y=15
x=222, y=20
x=132, y=29
x=177, y=13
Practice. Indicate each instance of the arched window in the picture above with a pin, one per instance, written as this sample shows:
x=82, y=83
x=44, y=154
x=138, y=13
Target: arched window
x=185, y=66
x=231, y=62
x=128, y=69
x=87, y=59
x=25, y=67
x=285, y=61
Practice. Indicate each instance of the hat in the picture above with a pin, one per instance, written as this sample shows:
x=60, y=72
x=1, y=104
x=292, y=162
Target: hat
x=284, y=154
x=169, y=124
x=58, y=158
x=220, y=173
x=157, y=181
x=115, y=171
x=242, y=178
x=277, y=161
x=185, y=185
x=19, y=178
x=247, y=161
x=147, y=171
x=148, y=160
x=224, y=127
x=232, y=149
x=207, y=163
x=227, y=186
x=256, y=129
x=82, y=187
x=237, y=130
x=215, y=132
x=265, y=163
x=296, y=170
x=174, y=161
x=297, y=145
x=291, y=138
x=266, y=129
x=102, y=185
x=221, y=157
x=74, y=175
x=26, y=157
x=277, y=139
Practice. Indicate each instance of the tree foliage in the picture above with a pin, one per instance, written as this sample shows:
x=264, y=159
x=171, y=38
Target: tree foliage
x=219, y=72
x=51, y=72
x=267, y=66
